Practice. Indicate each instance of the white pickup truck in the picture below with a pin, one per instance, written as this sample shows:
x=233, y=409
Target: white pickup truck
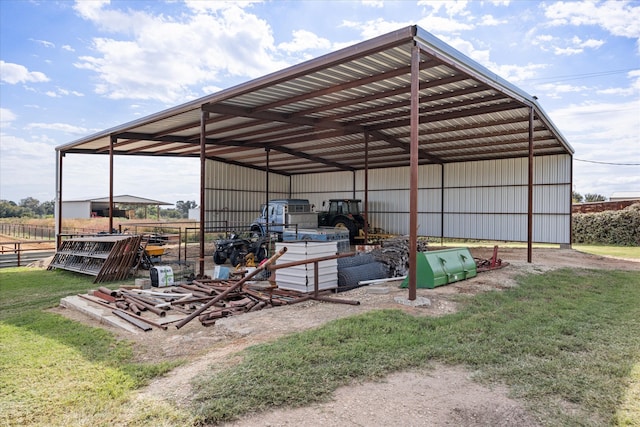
x=284, y=213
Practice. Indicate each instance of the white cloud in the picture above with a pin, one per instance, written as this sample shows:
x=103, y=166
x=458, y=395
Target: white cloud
x=86, y=176
x=60, y=92
x=6, y=117
x=510, y=72
x=44, y=43
x=451, y=8
x=631, y=90
x=577, y=45
x=68, y=48
x=562, y=51
x=603, y=132
x=620, y=18
x=305, y=40
x=544, y=38
x=24, y=166
x=490, y=21
x=16, y=73
x=590, y=43
x=572, y=46
x=373, y=3
x=204, y=6
x=60, y=127
x=165, y=58
x=592, y=123
x=553, y=90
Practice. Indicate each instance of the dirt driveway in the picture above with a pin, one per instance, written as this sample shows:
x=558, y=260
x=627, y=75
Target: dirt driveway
x=441, y=396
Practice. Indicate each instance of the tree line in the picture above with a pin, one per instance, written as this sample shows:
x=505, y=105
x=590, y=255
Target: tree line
x=31, y=207
x=587, y=198
x=27, y=208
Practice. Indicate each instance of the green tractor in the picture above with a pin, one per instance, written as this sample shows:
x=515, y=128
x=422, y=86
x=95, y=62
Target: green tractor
x=343, y=213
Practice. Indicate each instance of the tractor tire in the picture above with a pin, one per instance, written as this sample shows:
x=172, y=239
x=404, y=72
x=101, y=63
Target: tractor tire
x=347, y=224
x=219, y=258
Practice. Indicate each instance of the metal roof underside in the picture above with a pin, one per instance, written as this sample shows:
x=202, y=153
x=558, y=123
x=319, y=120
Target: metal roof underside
x=313, y=117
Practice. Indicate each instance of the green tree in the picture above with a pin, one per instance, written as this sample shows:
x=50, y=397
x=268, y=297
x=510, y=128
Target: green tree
x=170, y=213
x=31, y=204
x=184, y=207
x=9, y=209
x=48, y=208
x=576, y=197
x=594, y=198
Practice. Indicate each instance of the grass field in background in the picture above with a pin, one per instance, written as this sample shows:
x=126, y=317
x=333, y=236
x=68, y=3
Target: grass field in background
x=627, y=252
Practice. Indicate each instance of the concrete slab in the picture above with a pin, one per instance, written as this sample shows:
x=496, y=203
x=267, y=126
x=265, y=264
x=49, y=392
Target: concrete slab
x=418, y=302
x=377, y=290
x=97, y=312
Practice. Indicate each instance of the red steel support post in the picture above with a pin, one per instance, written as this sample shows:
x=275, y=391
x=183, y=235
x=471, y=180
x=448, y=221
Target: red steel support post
x=530, y=190
x=413, y=187
x=203, y=132
x=59, y=200
x=111, y=144
x=366, y=187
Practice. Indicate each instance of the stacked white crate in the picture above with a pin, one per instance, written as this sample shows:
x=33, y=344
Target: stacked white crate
x=301, y=278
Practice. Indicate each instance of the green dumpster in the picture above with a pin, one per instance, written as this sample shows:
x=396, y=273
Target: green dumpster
x=437, y=268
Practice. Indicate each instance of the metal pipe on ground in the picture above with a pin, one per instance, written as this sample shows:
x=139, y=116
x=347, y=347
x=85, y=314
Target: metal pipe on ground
x=263, y=266
x=135, y=322
x=151, y=308
x=108, y=291
x=150, y=322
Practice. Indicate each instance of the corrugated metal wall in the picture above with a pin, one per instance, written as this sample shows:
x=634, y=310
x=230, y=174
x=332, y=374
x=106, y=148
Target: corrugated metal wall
x=479, y=200
x=488, y=200
x=234, y=194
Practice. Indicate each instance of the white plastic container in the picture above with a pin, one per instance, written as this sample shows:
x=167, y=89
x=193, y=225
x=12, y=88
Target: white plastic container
x=302, y=278
x=161, y=276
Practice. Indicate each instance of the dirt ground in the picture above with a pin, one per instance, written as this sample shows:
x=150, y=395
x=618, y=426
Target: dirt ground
x=440, y=396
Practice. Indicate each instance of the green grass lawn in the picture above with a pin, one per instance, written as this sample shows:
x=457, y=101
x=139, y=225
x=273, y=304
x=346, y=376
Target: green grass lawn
x=57, y=372
x=627, y=252
x=568, y=338
x=563, y=339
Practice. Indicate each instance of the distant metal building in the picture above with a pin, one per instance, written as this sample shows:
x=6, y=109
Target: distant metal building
x=92, y=208
x=624, y=195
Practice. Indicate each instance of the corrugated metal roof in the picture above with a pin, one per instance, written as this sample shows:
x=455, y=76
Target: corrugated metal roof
x=313, y=117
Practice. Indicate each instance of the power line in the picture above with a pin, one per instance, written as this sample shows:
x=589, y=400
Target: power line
x=607, y=163
x=582, y=76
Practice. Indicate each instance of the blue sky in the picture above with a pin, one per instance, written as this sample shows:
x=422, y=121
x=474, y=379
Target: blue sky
x=69, y=69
